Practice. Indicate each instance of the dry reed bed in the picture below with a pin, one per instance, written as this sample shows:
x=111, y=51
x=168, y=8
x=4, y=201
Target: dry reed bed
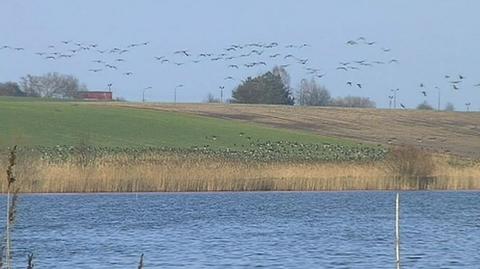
x=180, y=174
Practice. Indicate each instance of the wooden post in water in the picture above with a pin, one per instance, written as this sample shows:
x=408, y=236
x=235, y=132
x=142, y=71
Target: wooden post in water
x=397, y=230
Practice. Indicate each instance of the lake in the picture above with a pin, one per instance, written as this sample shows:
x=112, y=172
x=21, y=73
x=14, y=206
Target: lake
x=248, y=230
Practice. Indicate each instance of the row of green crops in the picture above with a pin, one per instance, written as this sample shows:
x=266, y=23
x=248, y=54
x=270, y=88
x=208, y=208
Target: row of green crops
x=274, y=151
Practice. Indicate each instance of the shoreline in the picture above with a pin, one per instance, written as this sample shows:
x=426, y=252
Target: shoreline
x=235, y=192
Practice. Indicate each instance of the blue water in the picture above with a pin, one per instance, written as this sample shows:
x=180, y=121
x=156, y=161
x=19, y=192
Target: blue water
x=248, y=230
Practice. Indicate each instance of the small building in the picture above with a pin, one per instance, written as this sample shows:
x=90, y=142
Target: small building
x=94, y=95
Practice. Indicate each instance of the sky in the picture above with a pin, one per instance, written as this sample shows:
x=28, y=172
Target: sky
x=429, y=38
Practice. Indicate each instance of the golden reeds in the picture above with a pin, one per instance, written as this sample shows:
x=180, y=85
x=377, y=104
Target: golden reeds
x=180, y=173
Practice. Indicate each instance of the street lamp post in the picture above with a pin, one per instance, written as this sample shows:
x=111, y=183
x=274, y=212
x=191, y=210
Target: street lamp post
x=175, y=93
x=143, y=93
x=395, y=97
x=390, y=98
x=221, y=93
x=439, y=96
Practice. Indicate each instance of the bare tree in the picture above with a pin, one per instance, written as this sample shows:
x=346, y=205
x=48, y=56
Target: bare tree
x=51, y=85
x=312, y=94
x=449, y=107
x=211, y=99
x=283, y=74
x=10, y=89
x=425, y=106
x=353, y=101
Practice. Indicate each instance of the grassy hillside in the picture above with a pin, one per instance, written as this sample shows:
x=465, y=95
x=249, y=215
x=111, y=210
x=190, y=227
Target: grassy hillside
x=455, y=133
x=30, y=122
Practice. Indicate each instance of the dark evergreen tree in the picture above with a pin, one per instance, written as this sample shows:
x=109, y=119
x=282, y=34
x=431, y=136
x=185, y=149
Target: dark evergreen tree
x=265, y=89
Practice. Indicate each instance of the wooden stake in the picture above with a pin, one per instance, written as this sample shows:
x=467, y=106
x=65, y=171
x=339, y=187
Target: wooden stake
x=397, y=230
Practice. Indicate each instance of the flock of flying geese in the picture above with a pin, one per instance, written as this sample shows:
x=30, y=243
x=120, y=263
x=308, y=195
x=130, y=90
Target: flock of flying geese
x=233, y=57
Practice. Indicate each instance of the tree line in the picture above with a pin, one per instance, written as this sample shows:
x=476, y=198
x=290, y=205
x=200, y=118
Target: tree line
x=273, y=87
x=50, y=85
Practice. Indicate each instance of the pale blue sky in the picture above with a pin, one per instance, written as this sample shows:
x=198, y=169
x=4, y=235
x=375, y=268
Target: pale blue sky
x=429, y=38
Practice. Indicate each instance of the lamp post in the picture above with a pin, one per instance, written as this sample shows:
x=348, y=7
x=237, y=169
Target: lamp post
x=390, y=98
x=143, y=93
x=221, y=93
x=395, y=97
x=175, y=93
x=439, y=96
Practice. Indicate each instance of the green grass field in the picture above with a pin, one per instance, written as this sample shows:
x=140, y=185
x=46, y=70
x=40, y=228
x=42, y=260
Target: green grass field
x=30, y=122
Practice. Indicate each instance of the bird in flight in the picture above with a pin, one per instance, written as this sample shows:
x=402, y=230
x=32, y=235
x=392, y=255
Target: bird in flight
x=455, y=87
x=349, y=83
x=402, y=105
x=351, y=42
x=275, y=55
x=302, y=61
x=393, y=61
x=359, y=85
x=424, y=93
x=128, y=73
x=111, y=66
x=95, y=70
x=233, y=66
x=461, y=77
x=159, y=58
x=184, y=52
x=342, y=68
x=320, y=75
x=476, y=85
x=386, y=49
x=229, y=78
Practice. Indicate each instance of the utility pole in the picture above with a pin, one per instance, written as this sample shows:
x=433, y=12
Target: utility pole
x=390, y=98
x=143, y=93
x=468, y=106
x=175, y=93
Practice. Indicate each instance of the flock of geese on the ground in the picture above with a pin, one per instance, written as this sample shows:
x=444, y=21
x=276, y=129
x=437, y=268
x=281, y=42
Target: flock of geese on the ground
x=233, y=57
